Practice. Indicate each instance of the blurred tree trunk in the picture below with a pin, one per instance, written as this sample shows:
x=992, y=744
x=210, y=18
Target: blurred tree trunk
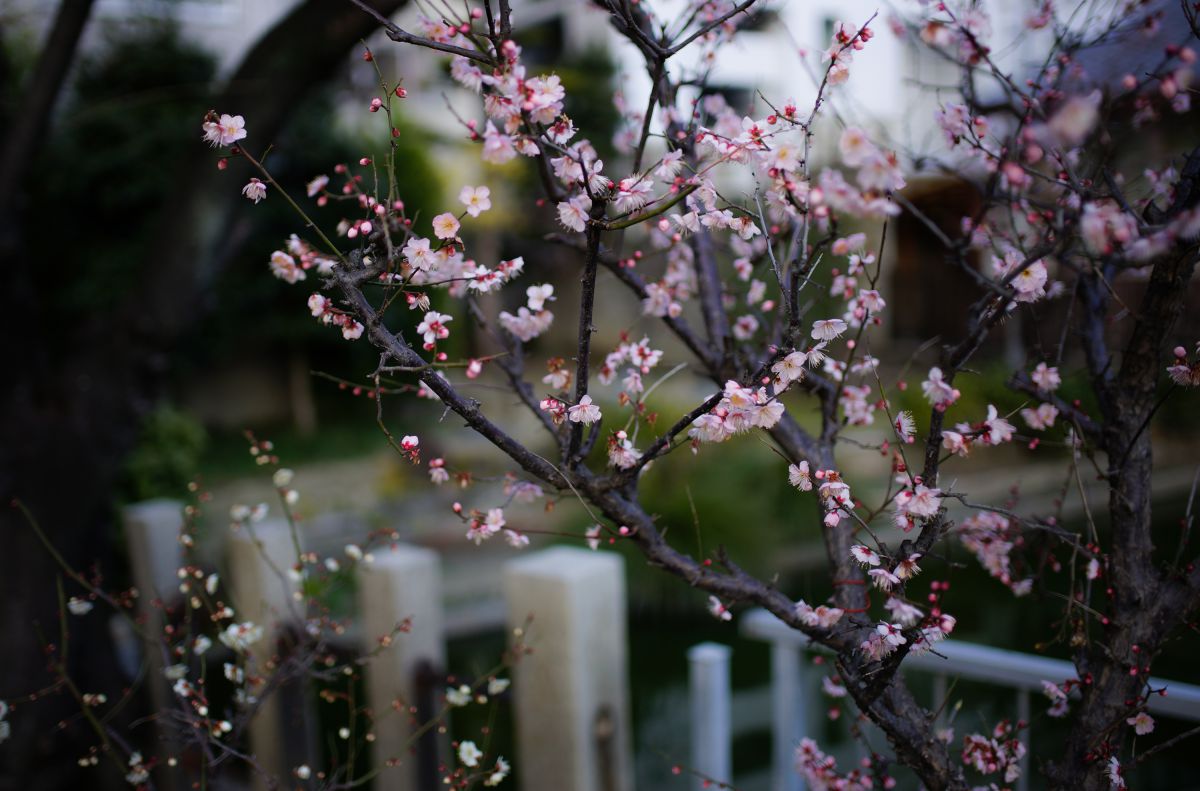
x=28, y=121
x=67, y=421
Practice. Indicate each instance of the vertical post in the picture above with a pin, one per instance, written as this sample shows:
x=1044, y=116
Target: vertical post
x=939, y=699
x=263, y=593
x=403, y=586
x=1023, y=713
x=708, y=681
x=571, y=695
x=152, y=533
x=788, y=716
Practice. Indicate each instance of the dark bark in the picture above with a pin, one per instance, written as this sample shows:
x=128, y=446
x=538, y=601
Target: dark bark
x=31, y=118
x=1146, y=606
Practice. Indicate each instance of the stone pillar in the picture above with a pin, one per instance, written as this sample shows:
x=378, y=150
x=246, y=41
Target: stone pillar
x=404, y=584
x=155, y=555
x=571, y=695
x=259, y=559
x=708, y=682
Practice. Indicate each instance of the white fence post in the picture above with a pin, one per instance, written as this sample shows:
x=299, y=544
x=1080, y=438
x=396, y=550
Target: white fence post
x=787, y=715
x=571, y=695
x=152, y=533
x=403, y=584
x=708, y=681
x=262, y=591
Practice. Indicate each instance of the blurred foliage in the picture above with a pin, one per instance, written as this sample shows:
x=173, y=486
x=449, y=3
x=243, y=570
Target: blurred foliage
x=133, y=107
x=131, y=114
x=167, y=455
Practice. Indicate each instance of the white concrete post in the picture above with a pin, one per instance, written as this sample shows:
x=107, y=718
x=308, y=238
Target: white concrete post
x=152, y=530
x=571, y=694
x=402, y=584
x=788, y=720
x=708, y=681
x=262, y=592
x=152, y=533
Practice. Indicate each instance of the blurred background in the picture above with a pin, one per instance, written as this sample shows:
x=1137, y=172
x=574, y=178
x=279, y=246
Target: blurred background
x=144, y=334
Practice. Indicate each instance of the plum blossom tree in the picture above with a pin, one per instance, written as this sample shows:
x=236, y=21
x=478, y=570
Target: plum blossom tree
x=731, y=272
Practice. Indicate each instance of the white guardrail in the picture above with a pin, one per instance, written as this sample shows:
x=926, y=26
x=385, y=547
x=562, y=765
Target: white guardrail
x=794, y=700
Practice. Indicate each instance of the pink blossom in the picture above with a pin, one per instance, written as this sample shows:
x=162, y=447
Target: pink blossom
x=1073, y=122
x=284, y=267
x=433, y=327
x=255, y=190
x=225, y=131
x=937, y=391
x=996, y=430
x=539, y=295
x=798, y=476
x=864, y=555
x=827, y=329
x=1041, y=418
x=316, y=186
x=719, y=610
x=1142, y=723
x=584, y=412
x=476, y=199
x=497, y=148
x=1046, y=378
x=445, y=226
x=573, y=213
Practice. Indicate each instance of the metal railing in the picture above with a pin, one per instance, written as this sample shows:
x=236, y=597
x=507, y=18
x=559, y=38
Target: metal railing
x=794, y=700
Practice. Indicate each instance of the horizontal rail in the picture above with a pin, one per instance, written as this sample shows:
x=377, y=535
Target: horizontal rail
x=993, y=665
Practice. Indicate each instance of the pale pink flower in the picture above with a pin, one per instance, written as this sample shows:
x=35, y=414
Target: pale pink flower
x=255, y=190
x=1074, y=121
x=419, y=254
x=883, y=579
x=320, y=306
x=822, y=616
x=573, y=213
x=284, y=267
x=955, y=443
x=855, y=147
x=476, y=199
x=864, y=555
x=497, y=148
x=1116, y=781
x=433, y=327
x=827, y=329
x=996, y=430
x=584, y=412
x=901, y=611
x=922, y=501
x=937, y=391
x=226, y=131
x=1046, y=378
x=798, y=476
x=719, y=610
x=1041, y=418
x=538, y=296
x=316, y=185
x=445, y=226
x=1142, y=723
